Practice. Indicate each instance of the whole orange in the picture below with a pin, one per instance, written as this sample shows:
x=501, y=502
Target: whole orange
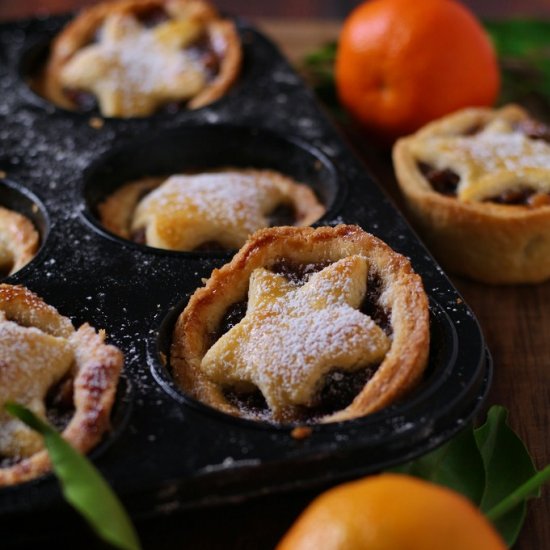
x=391, y=512
x=403, y=63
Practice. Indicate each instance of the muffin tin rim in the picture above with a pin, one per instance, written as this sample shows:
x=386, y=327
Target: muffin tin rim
x=44, y=233
x=91, y=220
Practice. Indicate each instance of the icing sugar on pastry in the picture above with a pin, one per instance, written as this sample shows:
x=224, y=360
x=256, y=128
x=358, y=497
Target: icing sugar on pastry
x=135, y=56
x=189, y=210
x=293, y=335
x=132, y=69
x=477, y=183
x=497, y=158
x=31, y=362
x=305, y=342
x=40, y=351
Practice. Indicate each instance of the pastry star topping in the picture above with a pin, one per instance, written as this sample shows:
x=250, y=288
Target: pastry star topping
x=132, y=70
x=496, y=159
x=187, y=211
x=293, y=335
x=31, y=362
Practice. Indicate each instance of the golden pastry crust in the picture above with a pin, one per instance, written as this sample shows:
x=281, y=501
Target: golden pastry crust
x=30, y=326
x=224, y=206
x=471, y=233
x=401, y=295
x=19, y=241
x=76, y=64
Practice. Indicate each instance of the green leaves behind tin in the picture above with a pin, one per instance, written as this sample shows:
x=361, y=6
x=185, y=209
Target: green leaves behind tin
x=491, y=466
x=82, y=485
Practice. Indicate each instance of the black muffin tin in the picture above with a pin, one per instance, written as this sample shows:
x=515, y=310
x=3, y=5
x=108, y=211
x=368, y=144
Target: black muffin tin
x=167, y=452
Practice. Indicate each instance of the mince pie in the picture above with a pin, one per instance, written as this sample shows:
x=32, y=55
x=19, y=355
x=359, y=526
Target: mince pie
x=19, y=241
x=209, y=210
x=478, y=185
x=134, y=57
x=65, y=375
x=314, y=325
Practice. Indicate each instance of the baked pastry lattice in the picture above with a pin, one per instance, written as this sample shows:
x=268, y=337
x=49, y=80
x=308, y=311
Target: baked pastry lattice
x=307, y=324
x=135, y=56
x=210, y=210
x=478, y=186
x=46, y=363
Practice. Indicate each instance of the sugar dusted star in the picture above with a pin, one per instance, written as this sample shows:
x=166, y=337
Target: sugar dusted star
x=292, y=335
x=132, y=70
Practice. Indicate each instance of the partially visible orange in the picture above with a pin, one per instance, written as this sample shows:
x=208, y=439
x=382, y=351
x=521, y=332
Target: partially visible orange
x=391, y=512
x=403, y=63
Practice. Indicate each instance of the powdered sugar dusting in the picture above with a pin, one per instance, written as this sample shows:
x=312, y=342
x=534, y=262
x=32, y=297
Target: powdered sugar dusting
x=292, y=335
x=496, y=150
x=31, y=361
x=135, y=65
x=224, y=206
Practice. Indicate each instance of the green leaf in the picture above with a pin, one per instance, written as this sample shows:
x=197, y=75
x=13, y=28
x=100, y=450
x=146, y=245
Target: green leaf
x=457, y=465
x=519, y=36
x=491, y=466
x=82, y=485
x=523, y=48
x=507, y=466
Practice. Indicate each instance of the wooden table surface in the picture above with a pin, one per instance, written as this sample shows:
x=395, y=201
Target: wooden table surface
x=515, y=320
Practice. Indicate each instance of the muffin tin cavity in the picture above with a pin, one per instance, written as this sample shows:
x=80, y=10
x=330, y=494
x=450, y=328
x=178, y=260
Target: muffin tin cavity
x=216, y=53
x=202, y=149
x=16, y=198
x=439, y=379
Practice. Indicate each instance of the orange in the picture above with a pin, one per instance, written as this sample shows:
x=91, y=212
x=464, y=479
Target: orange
x=403, y=63
x=391, y=512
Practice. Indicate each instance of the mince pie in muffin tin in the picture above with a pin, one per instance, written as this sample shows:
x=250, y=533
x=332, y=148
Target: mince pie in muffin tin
x=134, y=57
x=19, y=241
x=304, y=324
x=65, y=375
x=209, y=210
x=478, y=186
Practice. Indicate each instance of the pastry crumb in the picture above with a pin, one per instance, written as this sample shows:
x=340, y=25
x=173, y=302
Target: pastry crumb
x=3, y=174
x=301, y=432
x=96, y=122
x=459, y=300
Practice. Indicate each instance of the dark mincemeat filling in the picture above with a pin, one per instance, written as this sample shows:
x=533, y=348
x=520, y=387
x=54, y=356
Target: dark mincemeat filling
x=339, y=387
x=5, y=269
x=152, y=17
x=443, y=181
x=284, y=214
x=59, y=411
x=534, y=129
x=525, y=196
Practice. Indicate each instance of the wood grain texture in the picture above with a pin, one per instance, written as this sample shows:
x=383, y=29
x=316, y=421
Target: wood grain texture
x=515, y=320
x=516, y=323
